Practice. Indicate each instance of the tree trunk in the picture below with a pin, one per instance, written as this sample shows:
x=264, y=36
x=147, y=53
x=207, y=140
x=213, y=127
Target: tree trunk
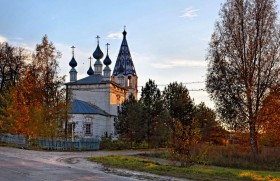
x=253, y=139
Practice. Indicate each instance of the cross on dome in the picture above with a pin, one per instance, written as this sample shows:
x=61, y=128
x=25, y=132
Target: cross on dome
x=90, y=59
x=97, y=37
x=73, y=62
x=107, y=44
x=73, y=50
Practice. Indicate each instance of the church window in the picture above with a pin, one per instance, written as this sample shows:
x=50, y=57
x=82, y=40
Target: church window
x=88, y=129
x=130, y=81
x=71, y=128
x=121, y=81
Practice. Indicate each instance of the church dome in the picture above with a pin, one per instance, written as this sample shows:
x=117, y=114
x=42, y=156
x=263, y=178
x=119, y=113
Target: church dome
x=107, y=60
x=90, y=71
x=73, y=62
x=98, y=54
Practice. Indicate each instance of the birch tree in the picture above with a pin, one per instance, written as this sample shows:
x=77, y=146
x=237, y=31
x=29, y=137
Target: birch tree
x=244, y=61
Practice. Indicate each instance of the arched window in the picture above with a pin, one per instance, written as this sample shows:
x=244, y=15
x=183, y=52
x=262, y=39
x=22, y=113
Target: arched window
x=121, y=79
x=129, y=81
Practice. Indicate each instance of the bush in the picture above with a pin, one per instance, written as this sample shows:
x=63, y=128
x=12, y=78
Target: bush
x=107, y=143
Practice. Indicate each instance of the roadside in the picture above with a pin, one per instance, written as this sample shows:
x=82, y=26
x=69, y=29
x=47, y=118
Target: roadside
x=195, y=172
x=79, y=160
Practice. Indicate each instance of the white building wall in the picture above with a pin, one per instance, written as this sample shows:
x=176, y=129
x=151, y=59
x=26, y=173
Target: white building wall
x=107, y=97
x=99, y=125
x=97, y=94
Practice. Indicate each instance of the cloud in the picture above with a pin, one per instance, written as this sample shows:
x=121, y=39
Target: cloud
x=114, y=36
x=29, y=47
x=179, y=63
x=3, y=39
x=189, y=13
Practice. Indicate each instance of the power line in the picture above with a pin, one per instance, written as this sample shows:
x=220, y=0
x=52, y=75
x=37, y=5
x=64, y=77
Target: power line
x=103, y=91
x=190, y=90
x=160, y=85
x=185, y=83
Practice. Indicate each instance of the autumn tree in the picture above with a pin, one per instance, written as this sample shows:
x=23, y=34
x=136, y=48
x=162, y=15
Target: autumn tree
x=12, y=62
x=153, y=111
x=269, y=118
x=184, y=137
x=244, y=61
x=51, y=91
x=37, y=103
x=7, y=121
x=12, y=65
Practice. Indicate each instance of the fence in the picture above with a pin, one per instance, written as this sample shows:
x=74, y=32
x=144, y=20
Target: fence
x=52, y=144
x=19, y=140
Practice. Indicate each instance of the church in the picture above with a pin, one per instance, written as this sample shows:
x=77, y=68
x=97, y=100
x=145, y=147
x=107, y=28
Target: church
x=95, y=99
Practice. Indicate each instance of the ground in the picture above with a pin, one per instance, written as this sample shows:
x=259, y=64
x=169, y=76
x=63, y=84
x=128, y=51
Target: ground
x=28, y=165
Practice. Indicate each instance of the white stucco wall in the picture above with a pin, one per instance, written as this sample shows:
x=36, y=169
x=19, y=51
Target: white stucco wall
x=99, y=125
x=97, y=94
x=105, y=96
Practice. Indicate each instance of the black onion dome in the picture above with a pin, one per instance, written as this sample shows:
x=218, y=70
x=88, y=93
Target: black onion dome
x=90, y=71
x=107, y=60
x=98, y=54
x=73, y=62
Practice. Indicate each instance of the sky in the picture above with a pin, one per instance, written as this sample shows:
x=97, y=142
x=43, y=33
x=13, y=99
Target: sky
x=168, y=39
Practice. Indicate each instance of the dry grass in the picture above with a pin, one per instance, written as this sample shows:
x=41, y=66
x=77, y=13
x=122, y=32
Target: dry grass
x=231, y=156
x=236, y=156
x=197, y=172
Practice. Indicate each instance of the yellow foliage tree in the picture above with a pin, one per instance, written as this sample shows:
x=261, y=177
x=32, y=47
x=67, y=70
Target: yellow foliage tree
x=270, y=118
x=36, y=105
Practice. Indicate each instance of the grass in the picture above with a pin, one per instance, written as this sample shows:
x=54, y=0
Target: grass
x=236, y=156
x=201, y=173
x=231, y=156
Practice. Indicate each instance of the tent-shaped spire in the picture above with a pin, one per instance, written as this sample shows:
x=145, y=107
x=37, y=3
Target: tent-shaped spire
x=124, y=63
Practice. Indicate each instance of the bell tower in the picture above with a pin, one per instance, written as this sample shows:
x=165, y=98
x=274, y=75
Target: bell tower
x=124, y=72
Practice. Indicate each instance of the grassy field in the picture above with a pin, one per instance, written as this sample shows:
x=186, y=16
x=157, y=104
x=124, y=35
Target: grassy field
x=202, y=173
x=231, y=156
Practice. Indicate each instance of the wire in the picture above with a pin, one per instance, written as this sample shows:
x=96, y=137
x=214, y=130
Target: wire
x=196, y=82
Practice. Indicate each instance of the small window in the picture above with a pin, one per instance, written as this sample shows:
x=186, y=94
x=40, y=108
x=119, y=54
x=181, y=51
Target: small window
x=121, y=81
x=130, y=82
x=88, y=129
x=71, y=128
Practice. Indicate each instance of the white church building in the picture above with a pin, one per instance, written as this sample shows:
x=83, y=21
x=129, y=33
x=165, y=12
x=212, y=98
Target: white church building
x=95, y=99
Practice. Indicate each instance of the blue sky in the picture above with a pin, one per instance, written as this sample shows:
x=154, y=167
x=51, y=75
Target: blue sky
x=168, y=39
